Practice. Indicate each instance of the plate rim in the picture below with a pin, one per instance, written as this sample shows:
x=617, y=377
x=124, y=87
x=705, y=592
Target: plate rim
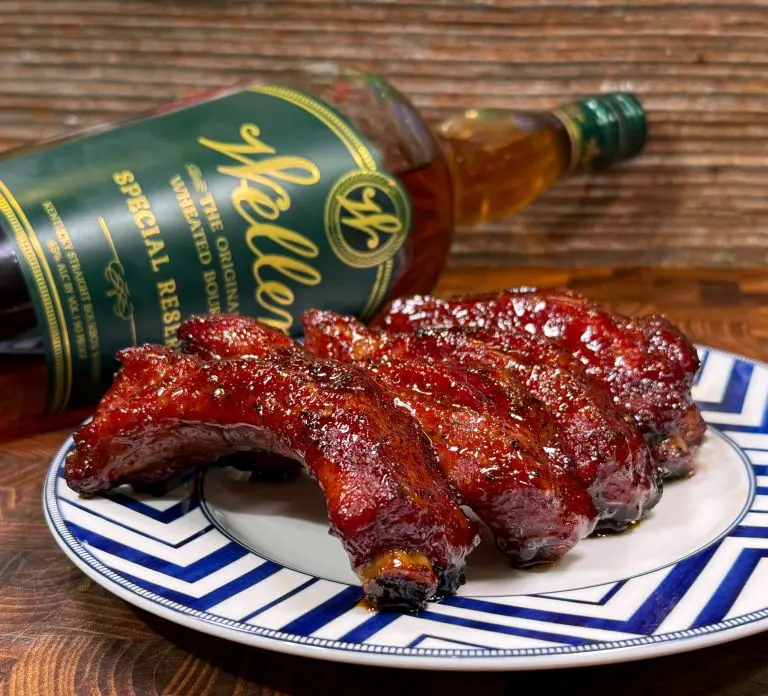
x=637, y=648
x=207, y=511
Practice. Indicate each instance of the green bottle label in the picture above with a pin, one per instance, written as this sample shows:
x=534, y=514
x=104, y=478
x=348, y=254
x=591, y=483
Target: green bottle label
x=263, y=202
x=603, y=129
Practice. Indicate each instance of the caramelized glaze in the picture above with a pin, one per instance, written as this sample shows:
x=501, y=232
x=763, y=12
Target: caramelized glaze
x=646, y=363
x=604, y=449
x=168, y=413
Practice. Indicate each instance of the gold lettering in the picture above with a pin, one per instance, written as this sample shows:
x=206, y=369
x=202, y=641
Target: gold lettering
x=211, y=211
x=178, y=184
x=54, y=250
x=367, y=216
x=261, y=197
x=170, y=338
x=169, y=315
x=137, y=204
x=189, y=211
x=145, y=219
x=159, y=261
x=292, y=268
x=283, y=295
x=75, y=287
x=288, y=239
x=155, y=246
x=166, y=287
x=172, y=316
x=169, y=302
x=131, y=190
x=169, y=333
x=122, y=178
x=212, y=291
x=228, y=272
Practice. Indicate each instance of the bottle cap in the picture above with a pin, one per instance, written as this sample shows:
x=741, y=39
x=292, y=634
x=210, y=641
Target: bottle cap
x=603, y=129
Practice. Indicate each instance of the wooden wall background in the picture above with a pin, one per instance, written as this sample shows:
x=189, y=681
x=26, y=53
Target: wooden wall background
x=698, y=197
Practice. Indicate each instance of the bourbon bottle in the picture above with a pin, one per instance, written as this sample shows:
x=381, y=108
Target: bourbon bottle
x=326, y=189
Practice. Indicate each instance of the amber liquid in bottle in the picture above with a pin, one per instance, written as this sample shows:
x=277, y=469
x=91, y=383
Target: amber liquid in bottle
x=502, y=164
x=478, y=166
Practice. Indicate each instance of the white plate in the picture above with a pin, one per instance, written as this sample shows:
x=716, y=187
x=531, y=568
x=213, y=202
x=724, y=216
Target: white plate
x=254, y=563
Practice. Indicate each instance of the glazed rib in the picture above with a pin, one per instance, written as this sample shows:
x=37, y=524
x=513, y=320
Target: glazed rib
x=646, y=363
x=536, y=511
x=605, y=451
x=608, y=451
x=216, y=336
x=387, y=502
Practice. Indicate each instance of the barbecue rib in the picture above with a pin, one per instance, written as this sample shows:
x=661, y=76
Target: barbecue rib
x=536, y=511
x=387, y=502
x=604, y=450
x=646, y=363
x=215, y=336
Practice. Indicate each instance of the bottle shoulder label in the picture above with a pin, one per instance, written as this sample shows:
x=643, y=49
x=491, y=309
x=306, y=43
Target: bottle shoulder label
x=263, y=202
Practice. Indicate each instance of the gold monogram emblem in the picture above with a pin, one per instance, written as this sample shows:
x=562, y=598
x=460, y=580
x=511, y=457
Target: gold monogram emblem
x=367, y=218
x=115, y=276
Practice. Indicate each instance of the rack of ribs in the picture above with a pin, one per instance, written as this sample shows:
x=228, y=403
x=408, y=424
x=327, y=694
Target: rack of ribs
x=546, y=415
x=604, y=450
x=646, y=364
x=166, y=413
x=493, y=452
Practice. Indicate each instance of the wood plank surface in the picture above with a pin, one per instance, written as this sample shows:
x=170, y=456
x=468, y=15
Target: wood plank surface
x=63, y=635
x=695, y=198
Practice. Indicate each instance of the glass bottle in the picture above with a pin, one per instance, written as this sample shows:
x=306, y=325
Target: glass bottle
x=326, y=188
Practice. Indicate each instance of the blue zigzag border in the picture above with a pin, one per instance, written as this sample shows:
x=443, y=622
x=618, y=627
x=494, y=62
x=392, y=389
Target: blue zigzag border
x=296, y=632
x=735, y=395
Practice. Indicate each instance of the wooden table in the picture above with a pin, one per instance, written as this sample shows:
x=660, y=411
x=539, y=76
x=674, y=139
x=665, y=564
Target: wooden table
x=60, y=633
x=695, y=198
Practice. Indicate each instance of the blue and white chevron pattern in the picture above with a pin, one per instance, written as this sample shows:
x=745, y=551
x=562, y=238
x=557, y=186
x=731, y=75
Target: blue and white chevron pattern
x=165, y=552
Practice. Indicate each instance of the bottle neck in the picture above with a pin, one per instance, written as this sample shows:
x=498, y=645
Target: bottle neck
x=603, y=130
x=502, y=161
